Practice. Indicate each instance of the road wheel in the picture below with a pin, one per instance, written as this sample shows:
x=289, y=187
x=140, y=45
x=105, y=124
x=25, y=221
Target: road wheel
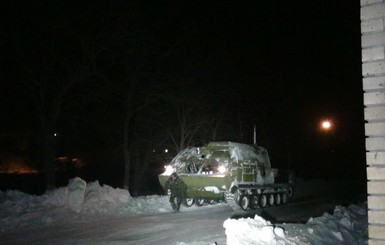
x=188, y=202
x=262, y=200
x=283, y=198
x=237, y=196
x=254, y=202
x=199, y=202
x=277, y=199
x=244, y=202
x=271, y=199
x=290, y=192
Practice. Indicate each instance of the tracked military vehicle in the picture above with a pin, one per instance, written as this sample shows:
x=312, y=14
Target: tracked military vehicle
x=237, y=173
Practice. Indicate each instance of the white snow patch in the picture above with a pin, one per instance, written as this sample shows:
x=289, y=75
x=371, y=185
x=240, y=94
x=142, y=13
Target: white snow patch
x=76, y=189
x=254, y=231
x=347, y=225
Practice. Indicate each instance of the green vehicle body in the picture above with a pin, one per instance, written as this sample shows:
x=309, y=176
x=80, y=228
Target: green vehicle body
x=223, y=167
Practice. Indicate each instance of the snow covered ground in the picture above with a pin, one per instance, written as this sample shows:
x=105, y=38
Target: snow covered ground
x=81, y=201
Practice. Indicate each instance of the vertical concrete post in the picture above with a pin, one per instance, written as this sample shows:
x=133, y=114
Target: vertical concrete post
x=373, y=71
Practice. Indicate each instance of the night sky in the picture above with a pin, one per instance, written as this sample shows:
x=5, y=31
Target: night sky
x=282, y=66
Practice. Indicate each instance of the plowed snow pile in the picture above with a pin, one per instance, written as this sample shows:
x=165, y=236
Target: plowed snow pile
x=75, y=201
x=346, y=226
x=81, y=200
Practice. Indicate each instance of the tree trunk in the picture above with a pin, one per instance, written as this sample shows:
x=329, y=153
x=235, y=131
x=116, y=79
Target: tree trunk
x=49, y=151
x=140, y=165
x=127, y=166
x=126, y=150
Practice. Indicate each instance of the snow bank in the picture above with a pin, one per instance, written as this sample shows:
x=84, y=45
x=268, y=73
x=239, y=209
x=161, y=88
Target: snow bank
x=18, y=209
x=346, y=226
x=103, y=199
x=76, y=189
x=73, y=203
x=254, y=231
x=78, y=199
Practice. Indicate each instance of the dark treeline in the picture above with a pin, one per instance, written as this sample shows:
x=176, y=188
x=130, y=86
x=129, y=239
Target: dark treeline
x=115, y=84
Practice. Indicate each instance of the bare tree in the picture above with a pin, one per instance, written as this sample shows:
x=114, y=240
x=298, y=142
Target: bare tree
x=132, y=107
x=57, y=62
x=183, y=119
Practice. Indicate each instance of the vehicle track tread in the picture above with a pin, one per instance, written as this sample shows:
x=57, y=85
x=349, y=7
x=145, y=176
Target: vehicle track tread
x=230, y=199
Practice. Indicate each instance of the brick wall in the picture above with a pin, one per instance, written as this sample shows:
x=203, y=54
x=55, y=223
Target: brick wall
x=373, y=71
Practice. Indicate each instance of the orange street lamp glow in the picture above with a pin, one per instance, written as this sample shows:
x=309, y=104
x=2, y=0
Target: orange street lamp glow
x=326, y=125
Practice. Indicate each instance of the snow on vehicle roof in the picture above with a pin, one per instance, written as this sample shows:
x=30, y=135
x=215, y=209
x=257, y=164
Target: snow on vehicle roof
x=237, y=151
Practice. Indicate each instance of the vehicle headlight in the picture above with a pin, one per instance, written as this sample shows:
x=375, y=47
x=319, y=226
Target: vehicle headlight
x=222, y=169
x=168, y=170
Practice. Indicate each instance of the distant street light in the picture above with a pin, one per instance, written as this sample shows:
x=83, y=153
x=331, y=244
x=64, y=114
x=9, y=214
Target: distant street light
x=326, y=125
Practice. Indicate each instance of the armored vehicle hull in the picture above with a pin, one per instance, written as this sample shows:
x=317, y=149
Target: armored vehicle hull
x=237, y=173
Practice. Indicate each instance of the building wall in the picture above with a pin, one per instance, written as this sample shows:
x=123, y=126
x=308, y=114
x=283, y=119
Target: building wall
x=373, y=71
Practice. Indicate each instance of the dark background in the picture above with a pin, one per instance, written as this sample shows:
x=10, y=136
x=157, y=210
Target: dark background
x=213, y=69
